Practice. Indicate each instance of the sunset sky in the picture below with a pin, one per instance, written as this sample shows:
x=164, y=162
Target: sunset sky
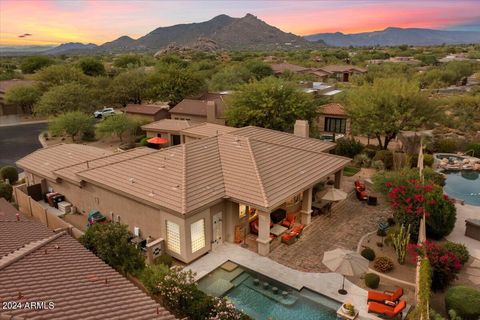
x=55, y=22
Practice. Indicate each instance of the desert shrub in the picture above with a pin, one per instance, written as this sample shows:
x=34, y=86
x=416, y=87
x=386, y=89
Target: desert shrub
x=445, y=264
x=441, y=216
x=6, y=191
x=165, y=259
x=459, y=249
x=391, y=232
x=348, y=147
x=368, y=254
x=378, y=164
x=372, y=280
x=391, y=221
x=427, y=160
x=88, y=135
x=362, y=160
x=475, y=147
x=445, y=145
x=383, y=264
x=10, y=173
x=370, y=151
x=386, y=156
x=464, y=301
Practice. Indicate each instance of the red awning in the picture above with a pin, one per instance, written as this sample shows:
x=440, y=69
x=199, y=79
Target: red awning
x=157, y=140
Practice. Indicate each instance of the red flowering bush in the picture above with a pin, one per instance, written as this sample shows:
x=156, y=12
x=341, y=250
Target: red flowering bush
x=445, y=264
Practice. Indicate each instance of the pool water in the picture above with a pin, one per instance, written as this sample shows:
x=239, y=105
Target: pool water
x=254, y=294
x=463, y=185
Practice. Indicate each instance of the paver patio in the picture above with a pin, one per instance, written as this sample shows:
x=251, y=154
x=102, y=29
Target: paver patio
x=349, y=221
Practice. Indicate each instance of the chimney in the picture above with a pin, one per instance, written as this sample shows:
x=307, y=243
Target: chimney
x=211, y=112
x=302, y=128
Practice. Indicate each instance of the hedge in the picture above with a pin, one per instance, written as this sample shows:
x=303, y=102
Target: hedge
x=465, y=302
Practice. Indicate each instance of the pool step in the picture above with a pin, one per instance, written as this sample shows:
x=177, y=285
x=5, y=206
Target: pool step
x=241, y=278
x=219, y=288
x=290, y=299
x=320, y=299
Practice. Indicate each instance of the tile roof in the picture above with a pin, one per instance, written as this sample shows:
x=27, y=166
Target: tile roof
x=206, y=129
x=167, y=125
x=341, y=68
x=16, y=234
x=45, y=161
x=187, y=177
x=146, y=109
x=70, y=172
x=197, y=108
x=282, y=67
x=333, y=108
x=57, y=268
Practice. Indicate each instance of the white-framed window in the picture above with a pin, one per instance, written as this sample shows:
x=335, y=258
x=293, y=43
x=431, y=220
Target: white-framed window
x=197, y=234
x=242, y=210
x=173, y=237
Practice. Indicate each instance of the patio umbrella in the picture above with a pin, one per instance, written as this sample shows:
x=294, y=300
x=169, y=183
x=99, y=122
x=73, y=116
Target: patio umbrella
x=334, y=194
x=157, y=140
x=345, y=262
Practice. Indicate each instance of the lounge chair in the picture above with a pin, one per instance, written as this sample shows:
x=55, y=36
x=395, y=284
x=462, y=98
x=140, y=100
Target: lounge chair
x=289, y=220
x=393, y=296
x=387, y=311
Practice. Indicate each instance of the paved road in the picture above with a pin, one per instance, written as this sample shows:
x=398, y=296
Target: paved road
x=18, y=141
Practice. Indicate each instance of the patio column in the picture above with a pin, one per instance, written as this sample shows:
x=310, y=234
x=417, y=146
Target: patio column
x=263, y=239
x=306, y=212
x=338, y=179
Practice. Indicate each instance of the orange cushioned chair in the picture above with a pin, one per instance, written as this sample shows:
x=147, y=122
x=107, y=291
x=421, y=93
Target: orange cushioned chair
x=393, y=296
x=390, y=312
x=289, y=221
x=298, y=229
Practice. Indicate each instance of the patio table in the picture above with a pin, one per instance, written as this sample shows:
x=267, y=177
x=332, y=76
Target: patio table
x=277, y=230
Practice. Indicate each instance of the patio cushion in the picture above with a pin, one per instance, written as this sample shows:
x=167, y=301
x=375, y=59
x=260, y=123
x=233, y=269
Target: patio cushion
x=388, y=311
x=289, y=221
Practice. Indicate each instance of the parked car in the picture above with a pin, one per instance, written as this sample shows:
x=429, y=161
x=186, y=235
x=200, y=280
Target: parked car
x=95, y=217
x=105, y=112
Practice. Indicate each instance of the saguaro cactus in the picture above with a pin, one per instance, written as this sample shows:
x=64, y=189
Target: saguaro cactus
x=400, y=241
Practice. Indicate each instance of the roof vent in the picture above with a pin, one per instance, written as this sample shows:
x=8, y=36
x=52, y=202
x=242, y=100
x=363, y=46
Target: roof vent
x=162, y=166
x=151, y=194
x=132, y=180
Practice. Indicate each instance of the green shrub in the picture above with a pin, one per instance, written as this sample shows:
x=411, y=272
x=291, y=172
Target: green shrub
x=144, y=142
x=383, y=264
x=6, y=191
x=386, y=156
x=459, y=249
x=362, y=160
x=151, y=275
x=10, y=173
x=378, y=165
x=427, y=160
x=370, y=151
x=445, y=145
x=348, y=147
x=165, y=259
x=475, y=147
x=391, y=221
x=464, y=301
x=368, y=254
x=372, y=280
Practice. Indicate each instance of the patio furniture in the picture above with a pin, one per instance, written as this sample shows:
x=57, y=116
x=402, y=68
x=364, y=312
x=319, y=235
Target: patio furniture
x=289, y=221
x=289, y=238
x=361, y=195
x=298, y=229
x=342, y=315
x=360, y=186
x=278, y=215
x=277, y=230
x=387, y=311
x=393, y=296
x=254, y=226
x=472, y=228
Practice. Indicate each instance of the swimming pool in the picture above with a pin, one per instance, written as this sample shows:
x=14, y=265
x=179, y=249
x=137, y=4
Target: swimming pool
x=463, y=185
x=263, y=298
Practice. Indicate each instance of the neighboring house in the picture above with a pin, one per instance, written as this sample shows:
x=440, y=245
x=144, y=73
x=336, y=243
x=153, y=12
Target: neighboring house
x=148, y=112
x=194, y=195
x=456, y=57
x=38, y=265
x=209, y=107
x=332, y=118
x=319, y=88
x=6, y=85
x=280, y=68
x=181, y=131
x=406, y=60
x=342, y=73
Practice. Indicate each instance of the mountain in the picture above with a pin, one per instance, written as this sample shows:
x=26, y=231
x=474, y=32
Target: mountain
x=397, y=36
x=71, y=47
x=24, y=50
x=244, y=33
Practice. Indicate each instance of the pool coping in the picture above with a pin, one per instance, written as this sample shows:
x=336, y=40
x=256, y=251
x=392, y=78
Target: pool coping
x=326, y=284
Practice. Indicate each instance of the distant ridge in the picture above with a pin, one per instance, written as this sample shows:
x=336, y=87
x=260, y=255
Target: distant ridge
x=397, y=36
x=70, y=47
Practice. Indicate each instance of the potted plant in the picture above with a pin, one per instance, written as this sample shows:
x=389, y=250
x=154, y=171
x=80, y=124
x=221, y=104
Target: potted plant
x=348, y=308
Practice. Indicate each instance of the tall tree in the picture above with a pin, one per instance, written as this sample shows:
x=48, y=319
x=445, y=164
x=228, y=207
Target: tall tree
x=60, y=74
x=65, y=98
x=130, y=87
x=270, y=103
x=72, y=124
x=25, y=96
x=386, y=107
x=116, y=125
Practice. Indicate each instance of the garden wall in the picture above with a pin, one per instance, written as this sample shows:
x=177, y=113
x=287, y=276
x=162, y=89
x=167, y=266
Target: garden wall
x=33, y=209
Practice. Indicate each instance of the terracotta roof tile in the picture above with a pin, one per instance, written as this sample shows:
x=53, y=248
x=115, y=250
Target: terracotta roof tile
x=342, y=68
x=333, y=109
x=282, y=67
x=57, y=268
x=146, y=109
x=166, y=125
x=206, y=129
x=196, y=107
